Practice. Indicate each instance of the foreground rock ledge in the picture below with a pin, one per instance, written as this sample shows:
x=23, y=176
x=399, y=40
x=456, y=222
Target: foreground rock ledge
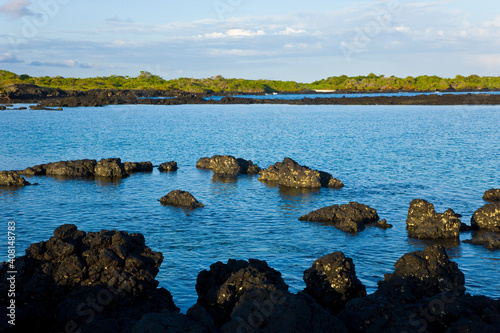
x=105, y=282
x=291, y=174
x=352, y=217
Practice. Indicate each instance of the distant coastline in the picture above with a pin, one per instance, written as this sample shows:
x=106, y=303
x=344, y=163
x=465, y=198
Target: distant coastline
x=151, y=89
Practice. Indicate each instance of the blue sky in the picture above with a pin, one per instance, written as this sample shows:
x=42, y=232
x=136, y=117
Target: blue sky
x=284, y=40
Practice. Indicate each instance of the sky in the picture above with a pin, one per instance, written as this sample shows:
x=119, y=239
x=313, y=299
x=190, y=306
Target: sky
x=301, y=41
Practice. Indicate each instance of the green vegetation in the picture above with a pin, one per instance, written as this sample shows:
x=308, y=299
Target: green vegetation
x=146, y=80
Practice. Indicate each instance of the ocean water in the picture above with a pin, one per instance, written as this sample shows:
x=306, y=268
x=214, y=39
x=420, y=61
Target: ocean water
x=385, y=155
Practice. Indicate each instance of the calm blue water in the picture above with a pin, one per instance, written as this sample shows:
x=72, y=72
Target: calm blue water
x=386, y=156
x=354, y=95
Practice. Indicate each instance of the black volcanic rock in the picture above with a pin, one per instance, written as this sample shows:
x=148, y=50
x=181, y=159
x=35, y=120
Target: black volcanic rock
x=424, y=222
x=168, y=166
x=77, y=168
x=492, y=195
x=227, y=165
x=427, y=273
x=332, y=281
x=487, y=217
x=220, y=288
x=110, y=168
x=349, y=218
x=265, y=311
x=181, y=199
x=93, y=281
x=133, y=167
x=12, y=179
x=490, y=240
x=291, y=174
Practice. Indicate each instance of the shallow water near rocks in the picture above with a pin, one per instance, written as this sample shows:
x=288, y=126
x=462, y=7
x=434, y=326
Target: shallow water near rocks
x=386, y=156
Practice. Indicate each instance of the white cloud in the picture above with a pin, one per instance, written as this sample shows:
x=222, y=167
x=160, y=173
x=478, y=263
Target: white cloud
x=244, y=33
x=239, y=53
x=62, y=63
x=16, y=8
x=291, y=31
x=9, y=58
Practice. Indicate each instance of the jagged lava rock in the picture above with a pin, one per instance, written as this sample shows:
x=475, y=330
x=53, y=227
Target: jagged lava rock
x=487, y=217
x=93, y=281
x=181, y=199
x=332, y=281
x=492, y=195
x=349, y=218
x=12, y=179
x=168, y=166
x=265, y=311
x=291, y=174
x=424, y=222
x=220, y=288
x=428, y=272
x=227, y=165
x=110, y=168
x=133, y=167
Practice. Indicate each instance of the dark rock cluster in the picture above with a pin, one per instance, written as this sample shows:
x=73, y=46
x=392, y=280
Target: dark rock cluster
x=105, y=282
x=168, y=166
x=106, y=168
x=12, y=179
x=487, y=217
x=424, y=222
x=227, y=165
x=291, y=174
x=181, y=199
x=352, y=217
x=492, y=195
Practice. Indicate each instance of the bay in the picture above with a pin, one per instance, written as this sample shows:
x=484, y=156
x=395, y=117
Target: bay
x=385, y=155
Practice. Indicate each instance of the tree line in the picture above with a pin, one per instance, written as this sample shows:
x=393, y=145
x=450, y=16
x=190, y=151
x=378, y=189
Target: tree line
x=371, y=82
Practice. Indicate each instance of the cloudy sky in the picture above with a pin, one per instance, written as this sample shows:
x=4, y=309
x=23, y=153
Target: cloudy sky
x=286, y=40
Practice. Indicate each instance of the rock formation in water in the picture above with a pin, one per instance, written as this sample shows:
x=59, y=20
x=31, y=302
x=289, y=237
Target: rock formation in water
x=181, y=199
x=168, y=166
x=424, y=222
x=489, y=240
x=133, y=167
x=492, y=195
x=227, y=165
x=12, y=179
x=487, y=217
x=332, y=281
x=352, y=217
x=96, y=281
x=105, y=168
x=290, y=174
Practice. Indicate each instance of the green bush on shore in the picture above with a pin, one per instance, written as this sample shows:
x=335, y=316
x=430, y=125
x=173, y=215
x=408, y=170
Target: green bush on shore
x=146, y=80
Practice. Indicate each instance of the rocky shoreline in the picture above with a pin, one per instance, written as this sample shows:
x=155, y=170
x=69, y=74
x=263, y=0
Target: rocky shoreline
x=104, y=281
x=48, y=98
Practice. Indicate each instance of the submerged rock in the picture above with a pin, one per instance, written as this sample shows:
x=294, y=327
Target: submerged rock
x=227, y=165
x=490, y=240
x=332, y=281
x=181, y=199
x=424, y=222
x=133, y=167
x=291, y=174
x=349, y=218
x=492, y=195
x=93, y=282
x=12, y=179
x=168, y=166
x=487, y=217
